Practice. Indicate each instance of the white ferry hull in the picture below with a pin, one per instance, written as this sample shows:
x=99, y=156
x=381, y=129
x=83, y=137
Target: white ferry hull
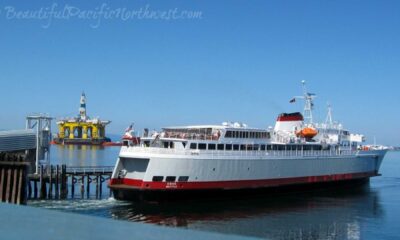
x=227, y=172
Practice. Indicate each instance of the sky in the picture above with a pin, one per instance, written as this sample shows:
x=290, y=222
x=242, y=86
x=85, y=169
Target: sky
x=167, y=63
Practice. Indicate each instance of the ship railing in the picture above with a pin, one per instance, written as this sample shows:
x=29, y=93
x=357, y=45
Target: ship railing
x=256, y=153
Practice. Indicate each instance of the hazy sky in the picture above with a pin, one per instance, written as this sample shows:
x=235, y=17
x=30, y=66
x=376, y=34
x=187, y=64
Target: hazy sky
x=164, y=63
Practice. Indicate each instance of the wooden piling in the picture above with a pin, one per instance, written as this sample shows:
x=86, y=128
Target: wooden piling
x=14, y=186
x=29, y=190
x=64, y=190
x=101, y=186
x=8, y=187
x=2, y=178
x=97, y=186
x=73, y=186
x=89, y=180
x=50, y=194
x=82, y=186
x=35, y=189
x=42, y=183
x=57, y=193
x=21, y=192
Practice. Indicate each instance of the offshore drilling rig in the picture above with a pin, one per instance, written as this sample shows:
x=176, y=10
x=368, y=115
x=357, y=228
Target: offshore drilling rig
x=82, y=129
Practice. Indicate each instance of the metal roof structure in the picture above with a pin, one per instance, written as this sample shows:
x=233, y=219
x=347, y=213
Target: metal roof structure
x=17, y=140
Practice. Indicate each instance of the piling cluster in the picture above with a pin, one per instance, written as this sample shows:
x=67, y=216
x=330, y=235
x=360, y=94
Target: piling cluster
x=52, y=182
x=13, y=175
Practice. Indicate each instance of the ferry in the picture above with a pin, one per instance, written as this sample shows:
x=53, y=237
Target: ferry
x=232, y=158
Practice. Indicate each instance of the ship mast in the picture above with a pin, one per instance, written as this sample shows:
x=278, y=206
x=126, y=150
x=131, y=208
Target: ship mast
x=308, y=104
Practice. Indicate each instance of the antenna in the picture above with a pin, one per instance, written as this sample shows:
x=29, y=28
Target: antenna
x=308, y=103
x=308, y=106
x=329, y=121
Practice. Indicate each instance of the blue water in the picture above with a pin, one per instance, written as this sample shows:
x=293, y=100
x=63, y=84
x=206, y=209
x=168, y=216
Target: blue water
x=367, y=212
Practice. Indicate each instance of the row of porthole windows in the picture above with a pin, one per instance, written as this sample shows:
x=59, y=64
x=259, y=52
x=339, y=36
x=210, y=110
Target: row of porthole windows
x=255, y=147
x=170, y=178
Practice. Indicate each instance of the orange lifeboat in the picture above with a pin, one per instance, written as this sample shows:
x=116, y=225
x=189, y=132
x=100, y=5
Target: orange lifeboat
x=307, y=132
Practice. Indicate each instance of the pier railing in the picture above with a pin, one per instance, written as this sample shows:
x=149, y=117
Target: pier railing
x=59, y=182
x=89, y=169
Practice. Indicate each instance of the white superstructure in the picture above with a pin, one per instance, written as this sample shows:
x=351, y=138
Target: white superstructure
x=233, y=156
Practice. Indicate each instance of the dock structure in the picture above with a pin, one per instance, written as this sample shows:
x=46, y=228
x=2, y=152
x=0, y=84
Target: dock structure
x=62, y=182
x=17, y=157
x=21, y=152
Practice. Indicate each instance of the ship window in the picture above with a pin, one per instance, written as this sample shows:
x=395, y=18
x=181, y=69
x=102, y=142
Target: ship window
x=211, y=146
x=242, y=147
x=125, y=143
x=235, y=147
x=158, y=178
x=171, y=144
x=298, y=147
x=228, y=134
x=170, y=179
x=251, y=134
x=247, y=134
x=262, y=147
x=193, y=146
x=202, y=146
x=317, y=147
x=255, y=147
x=220, y=146
x=281, y=147
x=306, y=147
x=183, y=178
x=166, y=144
x=269, y=147
x=249, y=147
x=228, y=147
x=146, y=143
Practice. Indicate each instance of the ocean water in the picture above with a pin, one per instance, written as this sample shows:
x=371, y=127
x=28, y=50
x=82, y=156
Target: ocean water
x=367, y=212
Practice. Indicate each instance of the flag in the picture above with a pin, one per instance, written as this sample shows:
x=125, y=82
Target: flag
x=129, y=128
x=292, y=100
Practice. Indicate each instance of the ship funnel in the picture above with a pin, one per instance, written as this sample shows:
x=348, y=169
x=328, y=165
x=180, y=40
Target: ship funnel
x=289, y=122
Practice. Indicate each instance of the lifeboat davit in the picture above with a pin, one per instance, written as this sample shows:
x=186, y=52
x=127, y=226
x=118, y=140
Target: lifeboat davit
x=307, y=132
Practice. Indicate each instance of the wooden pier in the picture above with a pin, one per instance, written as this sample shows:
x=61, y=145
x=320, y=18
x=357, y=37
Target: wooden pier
x=62, y=182
x=13, y=172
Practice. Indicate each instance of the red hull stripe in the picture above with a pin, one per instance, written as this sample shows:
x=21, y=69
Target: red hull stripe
x=139, y=184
